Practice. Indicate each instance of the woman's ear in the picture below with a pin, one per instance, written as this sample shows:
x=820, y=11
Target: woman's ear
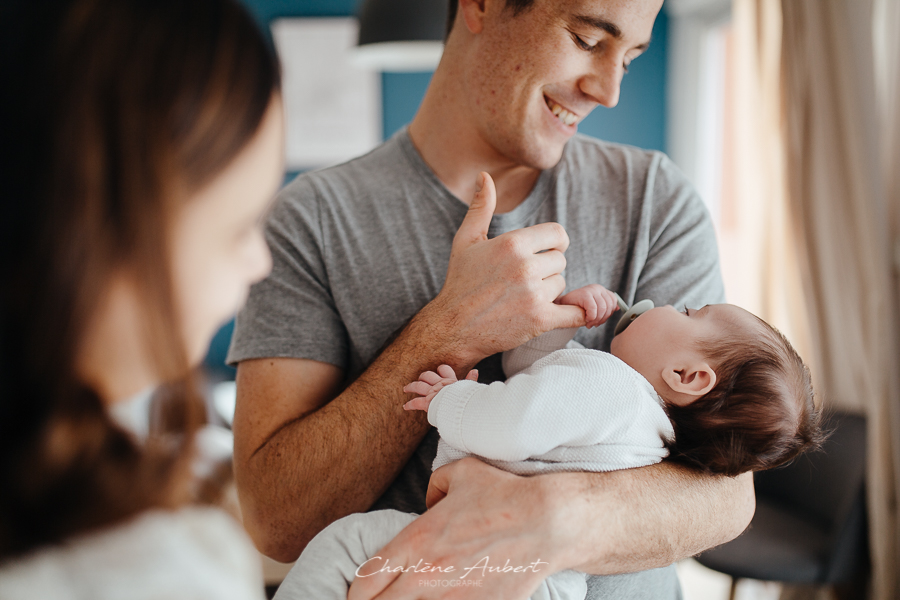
x=689, y=383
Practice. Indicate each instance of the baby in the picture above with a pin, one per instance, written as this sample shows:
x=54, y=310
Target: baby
x=714, y=387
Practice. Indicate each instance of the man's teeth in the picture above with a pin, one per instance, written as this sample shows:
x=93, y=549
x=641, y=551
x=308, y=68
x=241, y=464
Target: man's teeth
x=561, y=113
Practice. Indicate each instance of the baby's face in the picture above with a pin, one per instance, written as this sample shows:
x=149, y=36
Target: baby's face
x=664, y=336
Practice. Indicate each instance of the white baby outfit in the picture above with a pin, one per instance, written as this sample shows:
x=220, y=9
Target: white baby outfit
x=562, y=408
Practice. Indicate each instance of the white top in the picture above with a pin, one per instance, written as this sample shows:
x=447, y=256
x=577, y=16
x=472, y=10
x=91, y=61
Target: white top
x=190, y=554
x=573, y=409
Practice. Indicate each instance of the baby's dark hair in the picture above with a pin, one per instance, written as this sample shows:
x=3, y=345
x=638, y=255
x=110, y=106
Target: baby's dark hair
x=760, y=414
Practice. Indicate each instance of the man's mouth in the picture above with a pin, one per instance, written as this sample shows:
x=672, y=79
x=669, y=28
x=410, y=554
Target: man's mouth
x=568, y=118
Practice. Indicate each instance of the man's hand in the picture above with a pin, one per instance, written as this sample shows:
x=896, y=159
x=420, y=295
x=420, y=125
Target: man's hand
x=482, y=517
x=498, y=292
x=597, y=302
x=429, y=384
x=479, y=518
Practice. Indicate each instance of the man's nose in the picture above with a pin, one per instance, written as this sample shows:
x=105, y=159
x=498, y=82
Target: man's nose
x=602, y=84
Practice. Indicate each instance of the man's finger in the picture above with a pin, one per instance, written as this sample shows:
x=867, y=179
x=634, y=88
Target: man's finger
x=564, y=316
x=438, y=485
x=552, y=262
x=367, y=588
x=543, y=236
x=475, y=226
x=551, y=287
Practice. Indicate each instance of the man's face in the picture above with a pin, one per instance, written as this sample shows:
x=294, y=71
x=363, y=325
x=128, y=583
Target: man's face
x=538, y=74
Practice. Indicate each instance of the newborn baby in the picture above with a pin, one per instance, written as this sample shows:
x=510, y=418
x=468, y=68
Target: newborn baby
x=714, y=387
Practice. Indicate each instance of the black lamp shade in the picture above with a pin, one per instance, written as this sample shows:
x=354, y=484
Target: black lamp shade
x=402, y=20
x=401, y=35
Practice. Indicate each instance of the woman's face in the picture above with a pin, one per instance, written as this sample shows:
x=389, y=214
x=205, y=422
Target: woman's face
x=218, y=249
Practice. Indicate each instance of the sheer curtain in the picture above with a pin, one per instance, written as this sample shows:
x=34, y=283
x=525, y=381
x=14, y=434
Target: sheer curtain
x=819, y=148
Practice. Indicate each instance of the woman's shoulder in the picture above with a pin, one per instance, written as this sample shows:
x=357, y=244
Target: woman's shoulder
x=193, y=552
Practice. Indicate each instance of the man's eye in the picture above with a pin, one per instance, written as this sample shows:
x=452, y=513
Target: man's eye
x=581, y=43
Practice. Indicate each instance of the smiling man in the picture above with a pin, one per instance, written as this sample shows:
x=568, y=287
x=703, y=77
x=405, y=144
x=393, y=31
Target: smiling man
x=396, y=262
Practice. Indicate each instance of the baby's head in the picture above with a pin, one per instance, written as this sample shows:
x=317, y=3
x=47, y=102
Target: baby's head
x=738, y=395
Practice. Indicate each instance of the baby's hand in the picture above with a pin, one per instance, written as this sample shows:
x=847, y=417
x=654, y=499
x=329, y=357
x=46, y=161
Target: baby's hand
x=429, y=384
x=597, y=302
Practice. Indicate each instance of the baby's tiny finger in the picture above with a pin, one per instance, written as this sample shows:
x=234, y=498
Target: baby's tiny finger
x=446, y=372
x=594, y=311
x=418, y=387
x=416, y=404
x=472, y=375
x=430, y=377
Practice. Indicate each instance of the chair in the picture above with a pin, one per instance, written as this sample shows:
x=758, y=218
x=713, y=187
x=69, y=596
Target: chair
x=810, y=522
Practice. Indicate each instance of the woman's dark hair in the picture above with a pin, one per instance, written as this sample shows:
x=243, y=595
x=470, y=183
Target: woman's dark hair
x=760, y=414
x=113, y=113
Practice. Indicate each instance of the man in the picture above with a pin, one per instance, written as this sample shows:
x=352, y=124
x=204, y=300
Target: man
x=384, y=244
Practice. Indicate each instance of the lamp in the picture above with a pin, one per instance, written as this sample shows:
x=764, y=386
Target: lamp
x=401, y=35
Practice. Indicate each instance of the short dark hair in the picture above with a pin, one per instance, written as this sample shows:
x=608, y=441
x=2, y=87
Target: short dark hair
x=517, y=6
x=760, y=414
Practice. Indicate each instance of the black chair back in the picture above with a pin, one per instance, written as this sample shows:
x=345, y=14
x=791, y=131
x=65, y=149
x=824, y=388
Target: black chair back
x=811, y=511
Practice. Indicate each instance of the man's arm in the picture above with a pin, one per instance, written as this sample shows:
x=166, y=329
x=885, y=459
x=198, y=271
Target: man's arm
x=667, y=512
x=600, y=523
x=305, y=457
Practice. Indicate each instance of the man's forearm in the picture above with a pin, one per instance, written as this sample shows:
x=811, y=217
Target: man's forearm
x=340, y=458
x=638, y=519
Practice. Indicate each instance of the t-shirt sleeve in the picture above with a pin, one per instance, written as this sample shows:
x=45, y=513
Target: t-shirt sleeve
x=682, y=265
x=292, y=312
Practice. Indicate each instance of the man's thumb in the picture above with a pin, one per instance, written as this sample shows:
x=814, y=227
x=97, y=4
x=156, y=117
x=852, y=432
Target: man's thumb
x=475, y=226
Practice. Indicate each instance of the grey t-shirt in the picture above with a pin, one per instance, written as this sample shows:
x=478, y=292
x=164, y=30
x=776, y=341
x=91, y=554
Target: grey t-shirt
x=360, y=248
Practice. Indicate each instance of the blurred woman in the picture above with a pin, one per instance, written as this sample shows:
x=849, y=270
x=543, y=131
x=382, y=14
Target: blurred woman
x=142, y=141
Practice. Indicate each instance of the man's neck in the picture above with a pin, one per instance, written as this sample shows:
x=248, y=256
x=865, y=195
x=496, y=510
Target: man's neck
x=453, y=148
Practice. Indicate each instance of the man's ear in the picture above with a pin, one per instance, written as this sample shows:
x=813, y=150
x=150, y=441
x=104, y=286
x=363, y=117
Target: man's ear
x=689, y=382
x=473, y=13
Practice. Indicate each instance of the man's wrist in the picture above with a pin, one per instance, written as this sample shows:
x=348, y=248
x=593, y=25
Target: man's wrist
x=434, y=332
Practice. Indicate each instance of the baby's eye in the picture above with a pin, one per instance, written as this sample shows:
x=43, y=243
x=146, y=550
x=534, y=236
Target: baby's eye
x=685, y=311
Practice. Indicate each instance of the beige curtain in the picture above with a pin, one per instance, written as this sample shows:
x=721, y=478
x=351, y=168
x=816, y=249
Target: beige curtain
x=886, y=37
x=811, y=147
x=763, y=253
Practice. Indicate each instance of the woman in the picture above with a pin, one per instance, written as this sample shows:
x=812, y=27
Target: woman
x=142, y=143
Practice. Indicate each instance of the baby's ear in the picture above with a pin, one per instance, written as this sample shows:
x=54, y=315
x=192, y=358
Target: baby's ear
x=689, y=383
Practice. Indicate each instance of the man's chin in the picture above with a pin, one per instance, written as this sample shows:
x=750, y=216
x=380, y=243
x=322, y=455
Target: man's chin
x=543, y=157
